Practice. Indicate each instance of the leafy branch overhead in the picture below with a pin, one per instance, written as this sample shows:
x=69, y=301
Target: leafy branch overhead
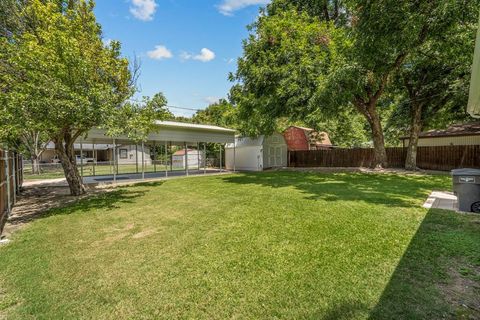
x=136, y=120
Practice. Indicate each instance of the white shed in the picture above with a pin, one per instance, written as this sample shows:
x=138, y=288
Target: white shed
x=256, y=154
x=195, y=159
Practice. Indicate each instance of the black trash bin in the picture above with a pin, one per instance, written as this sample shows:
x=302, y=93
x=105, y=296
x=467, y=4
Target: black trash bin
x=466, y=186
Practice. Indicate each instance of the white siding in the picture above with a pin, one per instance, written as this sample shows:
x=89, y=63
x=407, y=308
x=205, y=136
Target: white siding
x=134, y=155
x=250, y=156
x=246, y=158
x=448, y=141
x=195, y=160
x=274, y=151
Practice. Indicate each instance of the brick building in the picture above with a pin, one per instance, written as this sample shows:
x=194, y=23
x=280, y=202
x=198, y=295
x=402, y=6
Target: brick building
x=300, y=138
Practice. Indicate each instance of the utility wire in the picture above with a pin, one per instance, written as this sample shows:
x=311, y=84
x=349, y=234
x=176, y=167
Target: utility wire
x=170, y=107
x=190, y=109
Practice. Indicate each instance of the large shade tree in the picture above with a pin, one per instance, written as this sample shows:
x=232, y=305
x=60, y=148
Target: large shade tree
x=277, y=75
x=431, y=87
x=436, y=78
x=28, y=136
x=308, y=56
x=59, y=72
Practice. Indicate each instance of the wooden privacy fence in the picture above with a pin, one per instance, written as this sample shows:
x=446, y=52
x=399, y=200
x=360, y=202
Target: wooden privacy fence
x=429, y=158
x=11, y=179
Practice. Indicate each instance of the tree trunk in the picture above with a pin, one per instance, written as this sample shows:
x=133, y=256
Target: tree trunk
x=35, y=165
x=66, y=155
x=416, y=128
x=380, y=153
x=369, y=110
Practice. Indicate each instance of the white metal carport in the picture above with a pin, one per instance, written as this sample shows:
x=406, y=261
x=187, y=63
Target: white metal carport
x=168, y=134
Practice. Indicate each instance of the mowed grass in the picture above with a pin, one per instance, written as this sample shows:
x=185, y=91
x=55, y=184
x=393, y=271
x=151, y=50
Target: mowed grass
x=273, y=245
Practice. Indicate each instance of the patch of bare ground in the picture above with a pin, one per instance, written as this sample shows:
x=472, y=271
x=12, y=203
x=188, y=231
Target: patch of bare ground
x=462, y=291
x=35, y=201
x=143, y=234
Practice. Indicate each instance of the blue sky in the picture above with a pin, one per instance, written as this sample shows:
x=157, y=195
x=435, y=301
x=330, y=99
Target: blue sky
x=186, y=47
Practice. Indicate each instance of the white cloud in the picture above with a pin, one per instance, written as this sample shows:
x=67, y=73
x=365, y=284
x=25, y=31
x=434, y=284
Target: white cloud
x=143, y=9
x=227, y=7
x=185, y=55
x=205, y=55
x=159, y=53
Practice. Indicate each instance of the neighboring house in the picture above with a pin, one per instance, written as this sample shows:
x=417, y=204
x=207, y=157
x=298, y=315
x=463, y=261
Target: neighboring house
x=127, y=154
x=195, y=157
x=256, y=154
x=131, y=154
x=456, y=135
x=300, y=138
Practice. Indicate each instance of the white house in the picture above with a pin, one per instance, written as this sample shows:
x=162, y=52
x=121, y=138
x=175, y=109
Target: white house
x=463, y=134
x=256, y=154
x=195, y=160
x=127, y=154
x=131, y=154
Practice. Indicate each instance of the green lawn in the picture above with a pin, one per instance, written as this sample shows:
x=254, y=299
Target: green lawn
x=274, y=245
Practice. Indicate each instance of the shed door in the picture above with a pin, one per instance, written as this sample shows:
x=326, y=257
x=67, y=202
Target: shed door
x=278, y=156
x=271, y=156
x=275, y=156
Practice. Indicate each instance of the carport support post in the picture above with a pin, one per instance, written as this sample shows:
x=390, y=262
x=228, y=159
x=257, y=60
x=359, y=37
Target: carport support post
x=7, y=176
x=136, y=158
x=154, y=156
x=234, y=155
x=143, y=160
x=198, y=156
x=186, y=158
x=204, y=158
x=117, y=157
x=166, y=159
x=94, y=158
x=171, y=157
x=220, y=157
x=81, y=160
x=114, y=161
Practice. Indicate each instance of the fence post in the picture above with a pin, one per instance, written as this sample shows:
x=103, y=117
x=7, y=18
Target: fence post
x=14, y=176
x=7, y=176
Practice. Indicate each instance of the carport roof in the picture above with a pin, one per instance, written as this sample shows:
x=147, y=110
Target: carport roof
x=168, y=131
x=186, y=125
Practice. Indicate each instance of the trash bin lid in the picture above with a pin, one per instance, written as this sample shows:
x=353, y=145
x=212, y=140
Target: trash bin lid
x=466, y=172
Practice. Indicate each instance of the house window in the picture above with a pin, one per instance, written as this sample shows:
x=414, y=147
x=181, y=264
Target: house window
x=123, y=153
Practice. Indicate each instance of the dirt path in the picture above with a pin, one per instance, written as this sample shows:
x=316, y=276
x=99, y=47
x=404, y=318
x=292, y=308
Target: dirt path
x=35, y=200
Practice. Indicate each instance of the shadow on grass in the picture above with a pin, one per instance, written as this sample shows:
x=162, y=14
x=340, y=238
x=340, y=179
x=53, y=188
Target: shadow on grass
x=387, y=189
x=343, y=311
x=43, y=202
x=439, y=274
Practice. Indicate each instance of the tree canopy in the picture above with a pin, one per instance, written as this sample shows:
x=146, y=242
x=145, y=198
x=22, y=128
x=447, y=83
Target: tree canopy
x=324, y=58
x=221, y=113
x=57, y=75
